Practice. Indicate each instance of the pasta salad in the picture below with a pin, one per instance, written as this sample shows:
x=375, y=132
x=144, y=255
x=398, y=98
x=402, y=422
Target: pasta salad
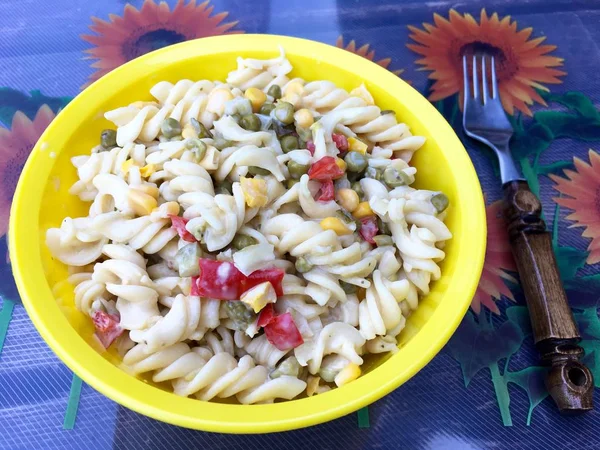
x=254, y=238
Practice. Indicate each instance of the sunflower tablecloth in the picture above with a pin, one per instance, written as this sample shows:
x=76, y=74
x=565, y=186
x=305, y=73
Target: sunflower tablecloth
x=485, y=389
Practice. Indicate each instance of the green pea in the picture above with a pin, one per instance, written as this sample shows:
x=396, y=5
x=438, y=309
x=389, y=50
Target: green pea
x=394, y=178
x=374, y=173
x=250, y=122
x=170, y=128
x=108, y=139
x=289, y=143
x=304, y=134
x=187, y=260
x=296, y=169
x=284, y=112
x=241, y=241
x=356, y=187
x=383, y=240
x=289, y=366
x=200, y=129
x=290, y=183
x=440, y=202
x=348, y=288
x=275, y=92
x=236, y=118
x=387, y=111
x=241, y=315
x=357, y=162
x=382, y=226
x=266, y=109
x=197, y=147
x=302, y=265
x=221, y=143
x=224, y=188
x=255, y=170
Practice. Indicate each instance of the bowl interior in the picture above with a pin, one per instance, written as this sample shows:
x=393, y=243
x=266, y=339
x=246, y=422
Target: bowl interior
x=42, y=201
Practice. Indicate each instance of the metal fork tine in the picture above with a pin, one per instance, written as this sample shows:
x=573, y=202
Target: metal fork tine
x=494, y=82
x=484, y=84
x=475, y=80
x=467, y=90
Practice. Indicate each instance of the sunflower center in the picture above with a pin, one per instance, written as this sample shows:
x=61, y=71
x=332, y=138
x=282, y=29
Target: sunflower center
x=150, y=41
x=506, y=64
x=13, y=169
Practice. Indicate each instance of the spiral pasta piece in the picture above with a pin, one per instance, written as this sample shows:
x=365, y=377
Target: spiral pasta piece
x=197, y=372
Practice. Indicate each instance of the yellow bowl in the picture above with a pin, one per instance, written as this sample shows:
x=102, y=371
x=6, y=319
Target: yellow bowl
x=42, y=201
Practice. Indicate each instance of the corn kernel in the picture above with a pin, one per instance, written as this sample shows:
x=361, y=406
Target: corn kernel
x=304, y=118
x=256, y=97
x=356, y=145
x=147, y=170
x=255, y=191
x=141, y=203
x=349, y=373
x=348, y=199
x=188, y=132
x=341, y=163
x=217, y=99
x=335, y=224
x=292, y=93
x=294, y=87
x=362, y=210
x=147, y=189
x=126, y=166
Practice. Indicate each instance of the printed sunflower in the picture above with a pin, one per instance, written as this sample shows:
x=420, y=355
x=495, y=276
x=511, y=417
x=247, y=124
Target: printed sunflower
x=522, y=64
x=153, y=26
x=498, y=259
x=15, y=146
x=367, y=53
x=582, y=186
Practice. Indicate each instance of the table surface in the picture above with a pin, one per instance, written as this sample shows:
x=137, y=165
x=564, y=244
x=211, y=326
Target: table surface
x=484, y=390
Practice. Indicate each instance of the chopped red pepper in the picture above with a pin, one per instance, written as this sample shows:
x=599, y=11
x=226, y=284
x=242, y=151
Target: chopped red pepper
x=273, y=276
x=283, y=333
x=341, y=142
x=368, y=228
x=178, y=223
x=326, y=192
x=107, y=327
x=325, y=169
x=267, y=314
x=310, y=146
x=218, y=279
x=223, y=281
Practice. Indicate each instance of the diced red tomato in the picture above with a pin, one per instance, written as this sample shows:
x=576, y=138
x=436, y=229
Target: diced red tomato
x=178, y=223
x=326, y=192
x=107, y=327
x=273, y=276
x=325, y=169
x=267, y=314
x=221, y=280
x=341, y=142
x=310, y=146
x=368, y=228
x=283, y=333
x=218, y=279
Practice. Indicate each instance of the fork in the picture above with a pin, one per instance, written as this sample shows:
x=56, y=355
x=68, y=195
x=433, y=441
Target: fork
x=569, y=382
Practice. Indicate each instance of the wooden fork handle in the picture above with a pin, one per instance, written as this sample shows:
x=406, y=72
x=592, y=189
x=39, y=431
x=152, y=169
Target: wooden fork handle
x=569, y=382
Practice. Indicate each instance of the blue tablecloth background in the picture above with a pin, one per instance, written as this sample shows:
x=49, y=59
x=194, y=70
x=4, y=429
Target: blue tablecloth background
x=484, y=390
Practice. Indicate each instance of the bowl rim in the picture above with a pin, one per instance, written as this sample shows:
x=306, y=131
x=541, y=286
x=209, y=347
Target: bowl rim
x=148, y=400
